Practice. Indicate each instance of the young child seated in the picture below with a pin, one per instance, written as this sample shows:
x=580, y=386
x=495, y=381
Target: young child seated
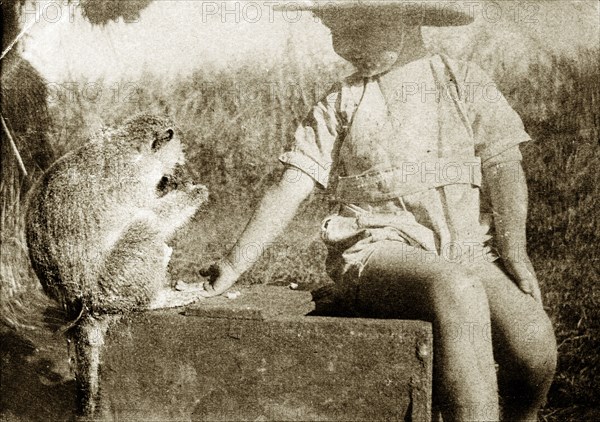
x=421, y=156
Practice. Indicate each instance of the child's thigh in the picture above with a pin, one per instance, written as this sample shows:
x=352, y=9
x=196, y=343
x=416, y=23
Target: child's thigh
x=521, y=330
x=399, y=281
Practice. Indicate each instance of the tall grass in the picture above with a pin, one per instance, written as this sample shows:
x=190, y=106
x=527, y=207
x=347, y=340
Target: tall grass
x=15, y=277
x=25, y=117
x=236, y=123
x=561, y=109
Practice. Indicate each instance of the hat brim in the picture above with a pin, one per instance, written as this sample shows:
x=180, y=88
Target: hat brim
x=411, y=13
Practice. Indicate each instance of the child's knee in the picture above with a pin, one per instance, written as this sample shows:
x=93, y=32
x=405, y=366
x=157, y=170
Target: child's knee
x=532, y=366
x=539, y=355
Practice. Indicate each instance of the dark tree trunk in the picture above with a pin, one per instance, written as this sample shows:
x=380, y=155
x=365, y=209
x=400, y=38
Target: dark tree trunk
x=24, y=111
x=23, y=106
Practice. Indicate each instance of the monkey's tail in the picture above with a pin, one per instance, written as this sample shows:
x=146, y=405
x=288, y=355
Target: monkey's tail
x=88, y=337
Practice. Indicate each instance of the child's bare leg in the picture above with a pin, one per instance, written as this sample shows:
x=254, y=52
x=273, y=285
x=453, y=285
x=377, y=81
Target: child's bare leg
x=524, y=343
x=400, y=282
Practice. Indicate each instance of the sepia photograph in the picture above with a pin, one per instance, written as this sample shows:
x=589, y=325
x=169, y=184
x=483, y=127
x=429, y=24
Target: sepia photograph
x=300, y=210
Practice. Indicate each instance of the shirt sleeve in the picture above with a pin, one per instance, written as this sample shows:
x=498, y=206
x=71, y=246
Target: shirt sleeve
x=314, y=140
x=497, y=128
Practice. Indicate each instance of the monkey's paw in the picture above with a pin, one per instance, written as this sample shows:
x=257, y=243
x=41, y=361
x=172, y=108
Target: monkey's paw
x=169, y=298
x=182, y=286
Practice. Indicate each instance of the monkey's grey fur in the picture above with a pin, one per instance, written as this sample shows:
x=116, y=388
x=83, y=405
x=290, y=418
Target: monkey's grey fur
x=97, y=227
x=98, y=220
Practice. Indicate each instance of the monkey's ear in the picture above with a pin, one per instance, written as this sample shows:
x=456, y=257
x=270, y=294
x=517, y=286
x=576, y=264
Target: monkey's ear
x=162, y=138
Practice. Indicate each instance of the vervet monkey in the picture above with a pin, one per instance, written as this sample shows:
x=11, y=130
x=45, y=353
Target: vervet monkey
x=97, y=226
x=99, y=220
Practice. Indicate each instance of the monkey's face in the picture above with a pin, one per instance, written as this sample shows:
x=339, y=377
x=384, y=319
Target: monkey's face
x=158, y=156
x=167, y=148
x=181, y=180
x=154, y=142
x=158, y=149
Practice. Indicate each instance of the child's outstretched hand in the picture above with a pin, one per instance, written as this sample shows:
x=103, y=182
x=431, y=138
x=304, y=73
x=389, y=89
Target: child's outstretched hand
x=524, y=275
x=221, y=276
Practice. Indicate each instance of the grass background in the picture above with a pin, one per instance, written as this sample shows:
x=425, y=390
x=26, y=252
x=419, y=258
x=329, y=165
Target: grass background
x=237, y=121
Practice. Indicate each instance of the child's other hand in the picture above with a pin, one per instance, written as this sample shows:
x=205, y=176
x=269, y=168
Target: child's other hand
x=524, y=275
x=221, y=276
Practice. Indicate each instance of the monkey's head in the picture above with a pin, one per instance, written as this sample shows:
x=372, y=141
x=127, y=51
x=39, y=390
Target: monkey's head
x=154, y=138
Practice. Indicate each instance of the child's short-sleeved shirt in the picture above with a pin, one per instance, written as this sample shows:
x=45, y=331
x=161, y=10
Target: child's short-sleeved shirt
x=415, y=152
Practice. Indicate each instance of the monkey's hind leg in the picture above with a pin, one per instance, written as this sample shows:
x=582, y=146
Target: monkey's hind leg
x=135, y=273
x=134, y=270
x=170, y=298
x=167, y=297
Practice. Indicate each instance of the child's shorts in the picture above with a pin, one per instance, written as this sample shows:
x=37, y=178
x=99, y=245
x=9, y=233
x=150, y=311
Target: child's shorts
x=352, y=240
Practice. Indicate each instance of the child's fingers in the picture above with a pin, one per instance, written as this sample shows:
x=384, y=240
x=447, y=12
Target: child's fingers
x=525, y=285
x=212, y=272
x=208, y=290
x=220, y=277
x=521, y=275
x=535, y=290
x=529, y=285
x=525, y=278
x=537, y=294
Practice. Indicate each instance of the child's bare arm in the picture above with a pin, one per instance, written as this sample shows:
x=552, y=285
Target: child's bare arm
x=275, y=211
x=508, y=194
